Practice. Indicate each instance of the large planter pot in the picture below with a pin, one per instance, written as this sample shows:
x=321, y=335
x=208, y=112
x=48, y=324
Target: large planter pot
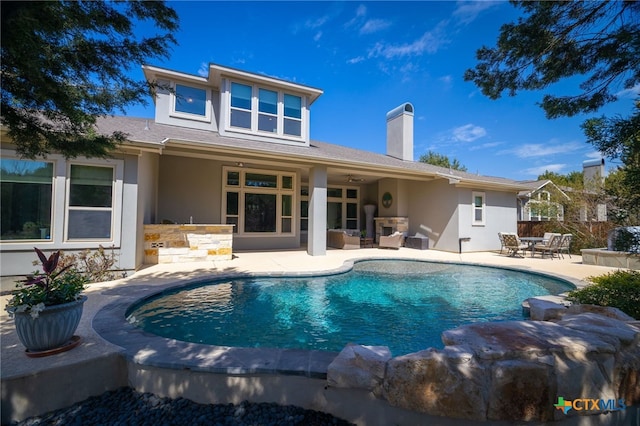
x=53, y=328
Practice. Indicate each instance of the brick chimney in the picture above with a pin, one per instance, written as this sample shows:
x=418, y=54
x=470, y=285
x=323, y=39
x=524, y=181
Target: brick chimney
x=400, y=132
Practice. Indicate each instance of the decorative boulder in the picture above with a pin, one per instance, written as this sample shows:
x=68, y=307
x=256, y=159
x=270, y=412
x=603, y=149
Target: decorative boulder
x=359, y=366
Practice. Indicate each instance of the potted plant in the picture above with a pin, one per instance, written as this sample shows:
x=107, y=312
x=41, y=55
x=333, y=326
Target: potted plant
x=47, y=307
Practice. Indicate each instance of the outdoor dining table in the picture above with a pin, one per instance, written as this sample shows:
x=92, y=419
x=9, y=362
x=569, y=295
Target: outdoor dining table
x=532, y=241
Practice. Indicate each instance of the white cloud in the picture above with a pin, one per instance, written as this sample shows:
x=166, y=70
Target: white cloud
x=629, y=93
x=430, y=42
x=355, y=60
x=447, y=81
x=485, y=146
x=537, y=171
x=467, y=11
x=540, y=150
x=374, y=25
x=312, y=24
x=203, y=71
x=361, y=11
x=317, y=36
x=468, y=133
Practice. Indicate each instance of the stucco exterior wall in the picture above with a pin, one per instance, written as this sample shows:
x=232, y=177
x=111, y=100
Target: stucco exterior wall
x=499, y=217
x=129, y=229
x=432, y=211
x=189, y=188
x=399, y=190
x=148, y=165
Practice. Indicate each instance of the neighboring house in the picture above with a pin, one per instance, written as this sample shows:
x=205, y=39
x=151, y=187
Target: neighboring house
x=541, y=201
x=234, y=147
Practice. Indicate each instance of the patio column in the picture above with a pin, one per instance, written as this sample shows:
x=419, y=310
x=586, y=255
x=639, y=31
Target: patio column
x=317, y=233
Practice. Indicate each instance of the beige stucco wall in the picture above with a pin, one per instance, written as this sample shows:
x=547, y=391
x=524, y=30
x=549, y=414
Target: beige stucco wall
x=499, y=217
x=148, y=165
x=433, y=212
x=189, y=188
x=399, y=190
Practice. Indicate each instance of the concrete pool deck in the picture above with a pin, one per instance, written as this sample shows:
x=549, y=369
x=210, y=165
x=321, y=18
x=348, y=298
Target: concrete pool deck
x=32, y=386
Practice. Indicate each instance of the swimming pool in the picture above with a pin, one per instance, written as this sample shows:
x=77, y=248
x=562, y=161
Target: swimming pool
x=401, y=304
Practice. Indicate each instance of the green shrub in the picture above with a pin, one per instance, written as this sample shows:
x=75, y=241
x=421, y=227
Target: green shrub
x=620, y=289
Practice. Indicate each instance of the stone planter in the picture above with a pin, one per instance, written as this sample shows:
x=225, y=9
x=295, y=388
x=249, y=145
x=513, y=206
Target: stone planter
x=53, y=328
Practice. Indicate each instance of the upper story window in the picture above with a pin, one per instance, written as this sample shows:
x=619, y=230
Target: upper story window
x=240, y=105
x=293, y=115
x=190, y=102
x=265, y=111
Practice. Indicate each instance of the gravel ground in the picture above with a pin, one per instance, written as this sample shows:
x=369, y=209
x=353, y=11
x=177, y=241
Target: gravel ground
x=127, y=407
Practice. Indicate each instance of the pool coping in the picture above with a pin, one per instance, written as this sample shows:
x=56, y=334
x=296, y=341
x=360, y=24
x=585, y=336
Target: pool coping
x=151, y=350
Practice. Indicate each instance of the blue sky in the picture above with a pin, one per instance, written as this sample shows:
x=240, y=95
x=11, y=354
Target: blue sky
x=369, y=57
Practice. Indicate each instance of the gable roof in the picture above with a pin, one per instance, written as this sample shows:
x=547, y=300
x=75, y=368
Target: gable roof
x=146, y=134
x=533, y=186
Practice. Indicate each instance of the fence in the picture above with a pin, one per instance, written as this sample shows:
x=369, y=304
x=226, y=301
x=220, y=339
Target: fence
x=585, y=234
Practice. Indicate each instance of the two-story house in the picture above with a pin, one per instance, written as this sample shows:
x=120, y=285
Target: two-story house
x=234, y=147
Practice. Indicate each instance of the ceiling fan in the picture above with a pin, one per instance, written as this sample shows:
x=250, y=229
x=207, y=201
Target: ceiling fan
x=352, y=179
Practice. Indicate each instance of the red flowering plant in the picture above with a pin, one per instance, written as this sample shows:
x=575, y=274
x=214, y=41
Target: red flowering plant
x=52, y=286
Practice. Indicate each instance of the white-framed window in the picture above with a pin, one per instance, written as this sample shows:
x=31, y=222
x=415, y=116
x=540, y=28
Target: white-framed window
x=60, y=203
x=342, y=208
x=264, y=111
x=478, y=210
x=90, y=202
x=259, y=202
x=26, y=190
x=541, y=208
x=190, y=102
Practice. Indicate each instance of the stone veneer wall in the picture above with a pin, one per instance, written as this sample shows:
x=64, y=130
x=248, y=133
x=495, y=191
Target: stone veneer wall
x=512, y=370
x=187, y=243
x=397, y=224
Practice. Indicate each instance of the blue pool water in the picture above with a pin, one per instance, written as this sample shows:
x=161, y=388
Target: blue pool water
x=405, y=305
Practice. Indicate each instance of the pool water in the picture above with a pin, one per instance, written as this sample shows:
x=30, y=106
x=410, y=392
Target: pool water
x=404, y=305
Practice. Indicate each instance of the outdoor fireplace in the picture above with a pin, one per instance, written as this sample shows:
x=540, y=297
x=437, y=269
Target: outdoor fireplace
x=389, y=225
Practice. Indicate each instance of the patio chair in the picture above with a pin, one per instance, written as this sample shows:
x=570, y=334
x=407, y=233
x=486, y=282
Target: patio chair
x=565, y=245
x=393, y=241
x=501, y=238
x=513, y=245
x=551, y=246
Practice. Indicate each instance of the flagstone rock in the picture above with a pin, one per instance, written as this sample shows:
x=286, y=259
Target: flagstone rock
x=521, y=390
x=511, y=370
x=544, y=310
x=445, y=383
x=359, y=366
